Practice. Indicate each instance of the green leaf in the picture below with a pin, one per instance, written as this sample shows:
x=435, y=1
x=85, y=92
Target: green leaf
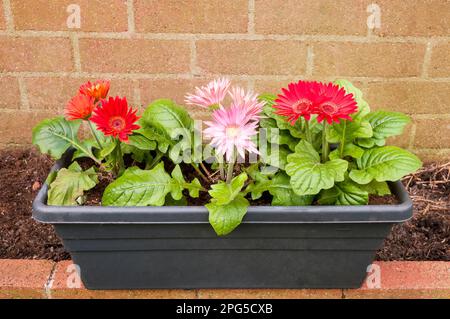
x=224, y=193
x=141, y=142
x=344, y=193
x=376, y=188
x=224, y=218
x=179, y=184
x=279, y=187
x=138, y=187
x=55, y=136
x=350, y=149
x=384, y=124
x=70, y=184
x=388, y=163
x=137, y=154
x=172, y=202
x=87, y=144
x=308, y=175
x=363, y=106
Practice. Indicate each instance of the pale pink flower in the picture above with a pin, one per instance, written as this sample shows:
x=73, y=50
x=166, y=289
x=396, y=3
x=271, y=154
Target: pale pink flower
x=211, y=94
x=247, y=101
x=232, y=129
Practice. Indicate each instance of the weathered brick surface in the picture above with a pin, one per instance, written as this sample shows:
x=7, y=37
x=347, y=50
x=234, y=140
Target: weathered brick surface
x=432, y=133
x=345, y=17
x=9, y=87
x=440, y=61
x=414, y=17
x=35, y=54
x=252, y=57
x=2, y=19
x=269, y=294
x=418, y=97
x=64, y=88
x=134, y=56
x=200, y=16
x=96, y=15
x=368, y=59
x=15, y=127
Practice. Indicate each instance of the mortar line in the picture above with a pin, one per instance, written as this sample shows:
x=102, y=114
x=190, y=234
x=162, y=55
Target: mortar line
x=9, y=17
x=309, y=60
x=193, y=58
x=137, y=93
x=130, y=16
x=427, y=59
x=412, y=136
x=24, y=102
x=76, y=52
x=251, y=17
x=49, y=283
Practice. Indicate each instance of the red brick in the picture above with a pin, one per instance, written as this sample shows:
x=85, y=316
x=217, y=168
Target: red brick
x=24, y=278
x=15, y=127
x=251, y=57
x=10, y=93
x=410, y=97
x=96, y=15
x=440, y=61
x=2, y=18
x=432, y=133
x=368, y=59
x=414, y=17
x=64, y=275
x=35, y=54
x=54, y=93
x=200, y=16
x=134, y=56
x=270, y=294
x=345, y=17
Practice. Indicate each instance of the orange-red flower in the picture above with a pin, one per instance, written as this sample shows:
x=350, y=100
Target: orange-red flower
x=80, y=107
x=115, y=118
x=98, y=90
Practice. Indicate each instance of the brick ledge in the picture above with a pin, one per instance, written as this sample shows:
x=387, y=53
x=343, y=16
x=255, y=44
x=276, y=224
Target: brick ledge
x=47, y=279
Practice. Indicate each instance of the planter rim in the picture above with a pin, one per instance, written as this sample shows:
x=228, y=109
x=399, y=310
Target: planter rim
x=199, y=214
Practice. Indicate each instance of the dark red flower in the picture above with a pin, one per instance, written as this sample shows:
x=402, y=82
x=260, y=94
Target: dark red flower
x=296, y=101
x=115, y=118
x=80, y=107
x=98, y=90
x=333, y=103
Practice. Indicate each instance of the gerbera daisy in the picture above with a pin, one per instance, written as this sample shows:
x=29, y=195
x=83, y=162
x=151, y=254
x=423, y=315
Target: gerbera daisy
x=231, y=129
x=247, y=101
x=333, y=103
x=296, y=101
x=211, y=94
x=80, y=107
x=98, y=90
x=114, y=118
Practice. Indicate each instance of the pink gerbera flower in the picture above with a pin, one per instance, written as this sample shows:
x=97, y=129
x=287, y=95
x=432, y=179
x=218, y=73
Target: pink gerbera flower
x=211, y=94
x=333, y=103
x=247, y=101
x=232, y=129
x=297, y=101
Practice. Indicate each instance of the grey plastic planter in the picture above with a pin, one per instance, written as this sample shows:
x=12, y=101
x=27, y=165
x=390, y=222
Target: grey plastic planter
x=175, y=247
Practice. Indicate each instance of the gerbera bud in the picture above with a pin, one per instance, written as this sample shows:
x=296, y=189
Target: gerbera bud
x=98, y=90
x=80, y=107
x=115, y=118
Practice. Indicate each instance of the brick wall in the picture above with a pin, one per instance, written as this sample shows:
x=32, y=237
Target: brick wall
x=163, y=48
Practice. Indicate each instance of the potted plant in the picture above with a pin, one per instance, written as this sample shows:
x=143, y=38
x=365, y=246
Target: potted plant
x=299, y=188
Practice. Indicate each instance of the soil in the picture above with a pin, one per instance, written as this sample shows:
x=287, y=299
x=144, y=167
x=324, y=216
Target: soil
x=425, y=237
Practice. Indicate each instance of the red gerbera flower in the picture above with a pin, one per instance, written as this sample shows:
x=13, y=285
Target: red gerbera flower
x=98, y=90
x=79, y=107
x=296, y=101
x=333, y=103
x=114, y=118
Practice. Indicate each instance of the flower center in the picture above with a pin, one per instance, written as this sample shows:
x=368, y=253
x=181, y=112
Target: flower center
x=232, y=131
x=329, y=108
x=117, y=123
x=301, y=106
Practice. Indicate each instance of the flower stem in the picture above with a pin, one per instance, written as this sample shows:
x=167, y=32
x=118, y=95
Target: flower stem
x=95, y=135
x=221, y=166
x=341, y=146
x=205, y=169
x=157, y=158
x=324, y=143
x=199, y=172
x=119, y=165
x=231, y=167
x=308, y=132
